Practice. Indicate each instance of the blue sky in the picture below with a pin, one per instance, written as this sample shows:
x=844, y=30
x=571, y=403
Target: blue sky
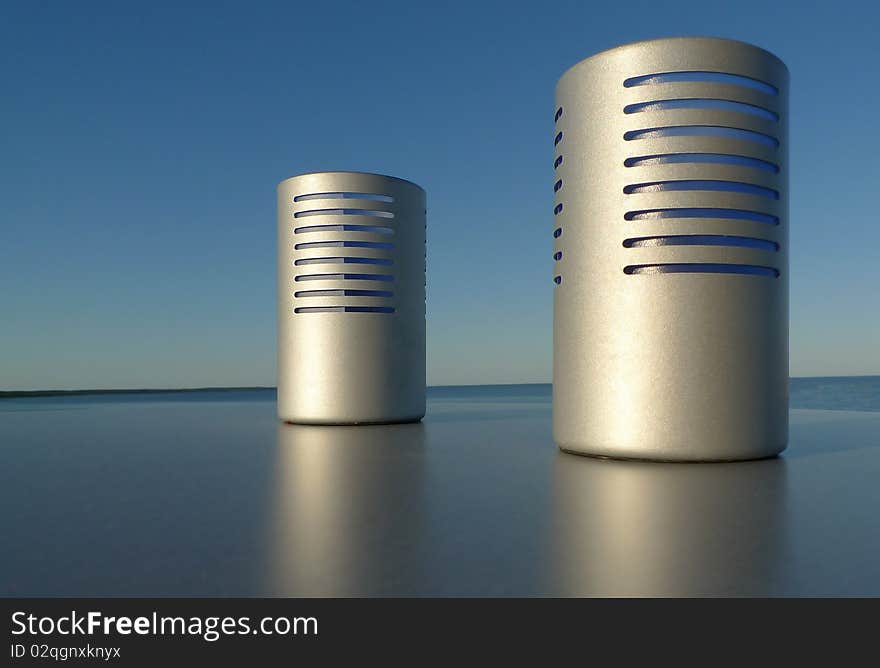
x=141, y=143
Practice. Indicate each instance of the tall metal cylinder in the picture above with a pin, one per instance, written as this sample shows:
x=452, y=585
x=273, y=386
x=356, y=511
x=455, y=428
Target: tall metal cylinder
x=671, y=252
x=351, y=299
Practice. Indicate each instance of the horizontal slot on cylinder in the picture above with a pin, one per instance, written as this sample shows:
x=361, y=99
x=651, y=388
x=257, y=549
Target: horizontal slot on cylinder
x=376, y=197
x=701, y=103
x=344, y=309
x=701, y=158
x=701, y=268
x=344, y=244
x=375, y=229
x=702, y=131
x=343, y=260
x=701, y=185
x=344, y=212
x=343, y=293
x=701, y=76
x=727, y=214
x=345, y=277
x=701, y=240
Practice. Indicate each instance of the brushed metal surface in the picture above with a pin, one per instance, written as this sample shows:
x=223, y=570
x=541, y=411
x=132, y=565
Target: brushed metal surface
x=351, y=299
x=689, y=365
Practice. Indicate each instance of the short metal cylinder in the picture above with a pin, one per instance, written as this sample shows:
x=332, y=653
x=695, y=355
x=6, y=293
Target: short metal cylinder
x=351, y=299
x=671, y=252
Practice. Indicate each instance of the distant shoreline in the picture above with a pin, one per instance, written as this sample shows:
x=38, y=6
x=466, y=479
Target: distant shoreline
x=13, y=394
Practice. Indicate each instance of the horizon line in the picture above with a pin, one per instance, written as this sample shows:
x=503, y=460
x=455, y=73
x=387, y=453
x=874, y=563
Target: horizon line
x=10, y=394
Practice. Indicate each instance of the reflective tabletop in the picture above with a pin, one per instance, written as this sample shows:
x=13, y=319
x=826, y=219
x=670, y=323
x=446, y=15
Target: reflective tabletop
x=208, y=494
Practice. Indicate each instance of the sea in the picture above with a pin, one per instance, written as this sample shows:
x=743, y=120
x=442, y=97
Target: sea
x=834, y=393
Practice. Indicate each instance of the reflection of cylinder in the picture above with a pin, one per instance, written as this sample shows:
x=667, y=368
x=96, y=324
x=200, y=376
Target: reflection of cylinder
x=671, y=255
x=625, y=528
x=351, y=299
x=347, y=510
